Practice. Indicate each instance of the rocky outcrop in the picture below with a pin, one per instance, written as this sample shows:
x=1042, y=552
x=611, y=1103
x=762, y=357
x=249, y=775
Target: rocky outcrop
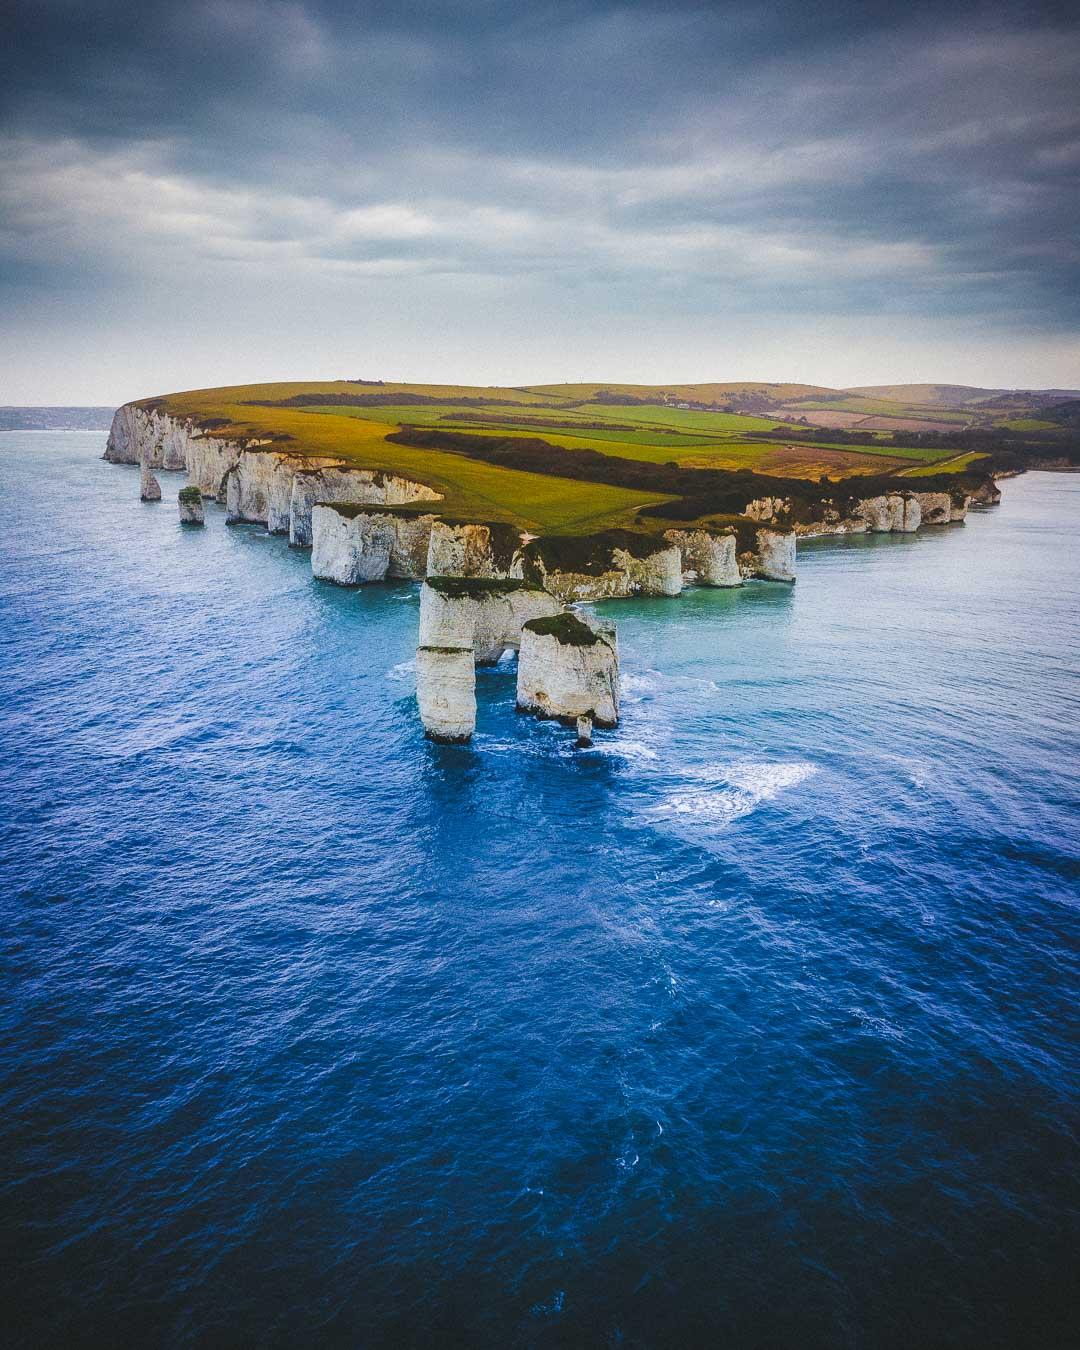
x=335, y=481
x=484, y=614
x=886, y=513
x=149, y=487
x=256, y=480
x=708, y=559
x=140, y=433
x=609, y=565
x=446, y=692
x=767, y=508
x=986, y=494
x=208, y=460
x=935, y=507
x=882, y=514
x=190, y=503
x=568, y=669
x=355, y=544
x=772, y=558
x=479, y=549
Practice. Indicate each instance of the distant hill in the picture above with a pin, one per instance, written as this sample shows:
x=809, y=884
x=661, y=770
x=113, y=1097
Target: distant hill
x=958, y=395
x=55, y=419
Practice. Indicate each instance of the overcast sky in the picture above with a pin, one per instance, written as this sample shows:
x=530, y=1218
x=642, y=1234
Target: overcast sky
x=220, y=191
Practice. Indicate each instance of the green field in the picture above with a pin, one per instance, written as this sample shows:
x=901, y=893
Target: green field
x=475, y=434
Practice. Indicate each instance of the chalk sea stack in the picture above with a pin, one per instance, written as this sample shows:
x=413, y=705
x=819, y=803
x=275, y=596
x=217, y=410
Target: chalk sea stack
x=190, y=503
x=446, y=693
x=569, y=669
x=149, y=487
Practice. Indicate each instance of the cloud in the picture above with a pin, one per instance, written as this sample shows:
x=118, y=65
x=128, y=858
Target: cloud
x=673, y=160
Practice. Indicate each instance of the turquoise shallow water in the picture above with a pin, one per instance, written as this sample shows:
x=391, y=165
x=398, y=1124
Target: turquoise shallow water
x=754, y=1026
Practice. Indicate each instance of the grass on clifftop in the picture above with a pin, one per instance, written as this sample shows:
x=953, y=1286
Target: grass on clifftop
x=730, y=427
x=565, y=628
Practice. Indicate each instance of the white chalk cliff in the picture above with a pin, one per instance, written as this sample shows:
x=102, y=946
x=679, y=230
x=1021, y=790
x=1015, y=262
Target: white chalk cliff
x=484, y=614
x=488, y=549
x=446, y=692
x=708, y=559
x=773, y=557
x=261, y=482
x=568, y=669
x=466, y=621
x=610, y=565
x=355, y=544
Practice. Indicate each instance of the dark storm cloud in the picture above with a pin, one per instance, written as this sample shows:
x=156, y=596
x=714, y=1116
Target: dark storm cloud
x=851, y=158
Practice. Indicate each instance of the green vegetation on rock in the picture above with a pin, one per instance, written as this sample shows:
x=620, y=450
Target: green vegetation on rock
x=565, y=628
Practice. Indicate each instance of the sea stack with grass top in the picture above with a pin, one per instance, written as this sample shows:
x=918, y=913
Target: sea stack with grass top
x=569, y=670
x=191, y=506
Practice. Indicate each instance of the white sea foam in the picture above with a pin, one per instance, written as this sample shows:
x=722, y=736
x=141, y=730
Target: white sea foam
x=625, y=749
x=634, y=687
x=734, y=790
x=401, y=671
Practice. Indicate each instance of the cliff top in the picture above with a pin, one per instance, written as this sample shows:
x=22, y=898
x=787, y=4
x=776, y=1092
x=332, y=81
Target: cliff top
x=572, y=460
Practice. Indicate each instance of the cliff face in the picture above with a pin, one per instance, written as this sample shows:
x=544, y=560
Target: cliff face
x=208, y=461
x=488, y=618
x=351, y=546
x=336, y=483
x=774, y=557
x=258, y=483
x=708, y=559
x=617, y=566
x=139, y=434
x=490, y=550
x=893, y=512
x=986, y=494
x=882, y=515
x=446, y=692
x=936, y=507
x=569, y=670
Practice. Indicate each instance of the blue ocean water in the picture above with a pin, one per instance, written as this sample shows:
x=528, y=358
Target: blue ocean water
x=755, y=1026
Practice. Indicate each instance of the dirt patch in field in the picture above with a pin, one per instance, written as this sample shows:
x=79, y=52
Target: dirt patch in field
x=811, y=461
x=905, y=424
x=836, y=420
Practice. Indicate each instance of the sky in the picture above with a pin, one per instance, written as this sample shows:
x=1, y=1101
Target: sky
x=224, y=191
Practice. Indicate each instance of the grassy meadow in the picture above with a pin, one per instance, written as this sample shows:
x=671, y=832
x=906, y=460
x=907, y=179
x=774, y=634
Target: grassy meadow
x=737, y=426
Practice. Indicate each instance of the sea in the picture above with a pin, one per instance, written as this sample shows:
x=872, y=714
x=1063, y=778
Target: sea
x=753, y=1026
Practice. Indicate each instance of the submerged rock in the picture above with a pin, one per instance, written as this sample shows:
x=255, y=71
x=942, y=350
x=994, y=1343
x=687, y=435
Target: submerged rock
x=568, y=670
x=149, y=487
x=584, y=731
x=446, y=692
x=190, y=503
